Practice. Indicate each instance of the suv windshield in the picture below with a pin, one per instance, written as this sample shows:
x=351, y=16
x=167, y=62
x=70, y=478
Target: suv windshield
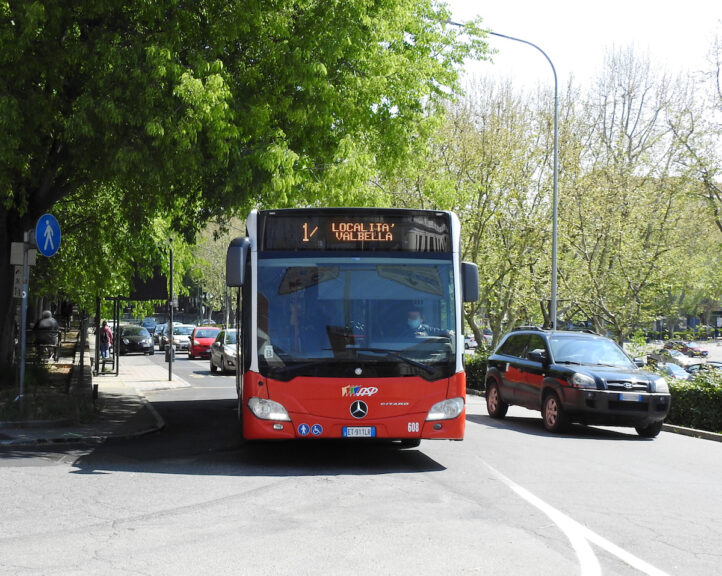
x=588, y=350
x=321, y=316
x=182, y=330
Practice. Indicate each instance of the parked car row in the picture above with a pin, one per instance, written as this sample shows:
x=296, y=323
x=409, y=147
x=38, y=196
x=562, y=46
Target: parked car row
x=204, y=341
x=691, y=349
x=676, y=372
x=669, y=356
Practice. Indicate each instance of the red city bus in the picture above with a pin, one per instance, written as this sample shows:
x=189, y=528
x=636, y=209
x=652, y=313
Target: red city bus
x=351, y=324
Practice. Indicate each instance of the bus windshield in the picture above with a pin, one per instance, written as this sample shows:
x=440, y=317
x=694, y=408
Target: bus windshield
x=370, y=316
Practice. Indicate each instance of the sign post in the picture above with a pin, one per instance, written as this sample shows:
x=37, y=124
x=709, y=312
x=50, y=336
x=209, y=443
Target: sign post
x=23, y=322
x=46, y=238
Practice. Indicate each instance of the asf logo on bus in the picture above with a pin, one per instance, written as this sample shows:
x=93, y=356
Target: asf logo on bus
x=348, y=391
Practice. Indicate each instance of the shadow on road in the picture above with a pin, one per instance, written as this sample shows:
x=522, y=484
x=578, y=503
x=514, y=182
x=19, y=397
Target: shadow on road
x=534, y=427
x=204, y=438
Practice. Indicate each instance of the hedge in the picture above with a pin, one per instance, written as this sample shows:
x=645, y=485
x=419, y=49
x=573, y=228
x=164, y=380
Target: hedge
x=697, y=403
x=476, y=368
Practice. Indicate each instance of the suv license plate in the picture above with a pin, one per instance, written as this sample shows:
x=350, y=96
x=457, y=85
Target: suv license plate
x=359, y=431
x=630, y=397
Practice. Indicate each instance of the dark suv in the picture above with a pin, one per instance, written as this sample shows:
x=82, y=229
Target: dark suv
x=574, y=377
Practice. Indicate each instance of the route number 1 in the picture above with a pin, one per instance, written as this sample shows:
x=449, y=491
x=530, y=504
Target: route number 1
x=306, y=236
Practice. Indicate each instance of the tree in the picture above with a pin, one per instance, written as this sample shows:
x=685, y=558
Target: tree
x=486, y=163
x=620, y=213
x=189, y=111
x=697, y=127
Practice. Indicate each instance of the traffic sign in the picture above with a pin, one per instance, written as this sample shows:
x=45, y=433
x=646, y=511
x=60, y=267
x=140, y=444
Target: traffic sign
x=47, y=235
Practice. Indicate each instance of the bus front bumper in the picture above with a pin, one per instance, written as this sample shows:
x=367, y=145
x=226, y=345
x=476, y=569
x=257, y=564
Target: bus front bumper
x=306, y=426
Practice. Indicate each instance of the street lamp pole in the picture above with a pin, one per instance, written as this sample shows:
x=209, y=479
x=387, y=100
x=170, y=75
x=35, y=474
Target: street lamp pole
x=170, y=316
x=555, y=193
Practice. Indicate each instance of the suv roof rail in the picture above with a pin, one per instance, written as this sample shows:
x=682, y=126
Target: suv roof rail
x=527, y=328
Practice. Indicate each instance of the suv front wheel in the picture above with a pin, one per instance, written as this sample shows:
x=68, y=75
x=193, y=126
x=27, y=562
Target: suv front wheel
x=650, y=430
x=495, y=406
x=553, y=415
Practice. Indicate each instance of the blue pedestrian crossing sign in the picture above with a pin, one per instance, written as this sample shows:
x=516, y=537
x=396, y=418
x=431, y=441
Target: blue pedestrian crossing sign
x=47, y=235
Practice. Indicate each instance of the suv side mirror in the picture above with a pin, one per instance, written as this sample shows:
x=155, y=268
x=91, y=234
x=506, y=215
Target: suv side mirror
x=639, y=362
x=538, y=356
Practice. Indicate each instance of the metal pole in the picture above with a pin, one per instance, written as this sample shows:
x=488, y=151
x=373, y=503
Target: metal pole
x=555, y=194
x=23, y=323
x=97, y=334
x=116, y=341
x=170, y=318
x=555, y=204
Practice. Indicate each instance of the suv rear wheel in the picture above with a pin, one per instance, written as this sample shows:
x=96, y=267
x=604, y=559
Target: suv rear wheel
x=495, y=406
x=650, y=430
x=553, y=415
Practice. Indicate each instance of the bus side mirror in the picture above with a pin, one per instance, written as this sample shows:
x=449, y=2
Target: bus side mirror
x=469, y=282
x=236, y=258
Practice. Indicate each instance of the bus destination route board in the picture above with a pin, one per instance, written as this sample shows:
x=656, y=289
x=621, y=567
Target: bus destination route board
x=408, y=231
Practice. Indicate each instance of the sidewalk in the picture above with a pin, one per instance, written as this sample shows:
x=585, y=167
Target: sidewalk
x=122, y=411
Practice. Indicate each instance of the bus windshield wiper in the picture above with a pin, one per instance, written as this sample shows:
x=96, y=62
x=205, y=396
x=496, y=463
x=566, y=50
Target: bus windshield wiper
x=395, y=354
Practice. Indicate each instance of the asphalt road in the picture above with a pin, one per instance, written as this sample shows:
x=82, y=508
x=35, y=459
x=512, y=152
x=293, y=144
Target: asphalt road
x=509, y=499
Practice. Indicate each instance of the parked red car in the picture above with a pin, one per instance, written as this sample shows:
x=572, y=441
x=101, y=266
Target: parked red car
x=201, y=340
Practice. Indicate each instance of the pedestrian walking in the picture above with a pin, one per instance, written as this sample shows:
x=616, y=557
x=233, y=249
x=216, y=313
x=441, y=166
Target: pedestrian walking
x=105, y=339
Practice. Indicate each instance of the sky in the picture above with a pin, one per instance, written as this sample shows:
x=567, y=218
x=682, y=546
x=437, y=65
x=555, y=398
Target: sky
x=675, y=35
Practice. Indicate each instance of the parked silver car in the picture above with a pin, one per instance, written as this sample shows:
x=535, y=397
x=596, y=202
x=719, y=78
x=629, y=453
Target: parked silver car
x=223, y=351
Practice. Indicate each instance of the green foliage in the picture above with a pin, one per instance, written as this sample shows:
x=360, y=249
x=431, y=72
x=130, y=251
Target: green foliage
x=698, y=403
x=137, y=112
x=637, y=346
x=476, y=368
x=636, y=242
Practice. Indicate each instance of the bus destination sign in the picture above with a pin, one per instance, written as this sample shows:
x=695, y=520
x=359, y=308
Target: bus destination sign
x=355, y=231
x=412, y=231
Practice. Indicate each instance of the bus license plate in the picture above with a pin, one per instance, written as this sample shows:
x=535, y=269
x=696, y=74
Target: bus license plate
x=630, y=397
x=359, y=431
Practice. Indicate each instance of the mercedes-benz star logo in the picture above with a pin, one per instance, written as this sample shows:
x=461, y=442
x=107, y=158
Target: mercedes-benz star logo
x=359, y=409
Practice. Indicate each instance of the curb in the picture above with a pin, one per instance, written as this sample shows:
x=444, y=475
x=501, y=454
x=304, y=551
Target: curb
x=31, y=424
x=692, y=432
x=92, y=438
x=159, y=422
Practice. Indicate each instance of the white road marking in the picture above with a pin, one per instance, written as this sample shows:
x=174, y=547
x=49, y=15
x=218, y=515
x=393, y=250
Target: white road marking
x=580, y=536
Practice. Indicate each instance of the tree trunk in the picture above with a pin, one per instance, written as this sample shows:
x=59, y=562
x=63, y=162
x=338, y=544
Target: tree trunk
x=11, y=230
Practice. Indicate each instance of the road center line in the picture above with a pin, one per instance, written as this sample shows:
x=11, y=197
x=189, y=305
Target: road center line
x=579, y=536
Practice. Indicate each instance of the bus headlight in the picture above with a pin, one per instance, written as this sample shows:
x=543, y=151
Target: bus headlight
x=446, y=409
x=268, y=409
